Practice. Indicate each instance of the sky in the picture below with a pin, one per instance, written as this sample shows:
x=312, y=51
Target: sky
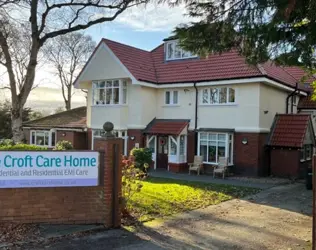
x=143, y=27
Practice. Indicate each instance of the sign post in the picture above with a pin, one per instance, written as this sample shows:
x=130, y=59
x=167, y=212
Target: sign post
x=27, y=169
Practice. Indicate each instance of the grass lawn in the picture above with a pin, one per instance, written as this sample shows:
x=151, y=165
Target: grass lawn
x=162, y=197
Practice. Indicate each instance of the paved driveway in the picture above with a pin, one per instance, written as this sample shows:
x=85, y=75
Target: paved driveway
x=276, y=218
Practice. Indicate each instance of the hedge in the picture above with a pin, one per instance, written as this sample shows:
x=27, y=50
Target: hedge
x=22, y=147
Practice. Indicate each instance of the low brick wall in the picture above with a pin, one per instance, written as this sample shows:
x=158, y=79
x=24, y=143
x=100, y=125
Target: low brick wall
x=68, y=205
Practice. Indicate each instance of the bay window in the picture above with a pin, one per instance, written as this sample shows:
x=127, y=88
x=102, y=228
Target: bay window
x=109, y=92
x=177, y=148
x=222, y=95
x=45, y=138
x=214, y=145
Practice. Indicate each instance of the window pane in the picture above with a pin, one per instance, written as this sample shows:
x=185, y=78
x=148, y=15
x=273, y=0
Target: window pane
x=124, y=84
x=186, y=54
x=167, y=100
x=116, y=99
x=182, y=144
x=116, y=83
x=212, y=154
x=177, y=51
x=231, y=95
x=108, y=84
x=173, y=147
x=203, y=136
x=175, y=97
x=222, y=137
x=203, y=150
x=46, y=142
x=40, y=138
x=33, y=138
x=152, y=145
x=221, y=149
x=223, y=95
x=101, y=95
x=212, y=137
x=101, y=84
x=124, y=98
x=205, y=96
x=170, y=51
x=108, y=96
x=214, y=95
x=53, y=139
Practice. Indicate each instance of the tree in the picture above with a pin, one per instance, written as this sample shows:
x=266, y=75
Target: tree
x=59, y=110
x=68, y=55
x=282, y=30
x=5, y=119
x=36, y=22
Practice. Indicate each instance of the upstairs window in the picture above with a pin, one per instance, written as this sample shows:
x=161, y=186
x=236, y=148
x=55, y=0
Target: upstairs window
x=174, y=51
x=171, y=97
x=218, y=96
x=109, y=92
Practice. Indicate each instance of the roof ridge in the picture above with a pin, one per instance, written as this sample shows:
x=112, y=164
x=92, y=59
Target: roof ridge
x=105, y=39
x=261, y=69
x=156, y=48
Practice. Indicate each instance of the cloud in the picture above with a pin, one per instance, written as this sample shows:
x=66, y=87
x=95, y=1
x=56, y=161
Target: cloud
x=154, y=17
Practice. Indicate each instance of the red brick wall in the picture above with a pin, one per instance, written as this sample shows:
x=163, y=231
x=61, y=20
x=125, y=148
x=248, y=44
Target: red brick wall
x=89, y=138
x=80, y=140
x=66, y=205
x=69, y=136
x=139, y=138
x=190, y=146
x=285, y=162
x=250, y=159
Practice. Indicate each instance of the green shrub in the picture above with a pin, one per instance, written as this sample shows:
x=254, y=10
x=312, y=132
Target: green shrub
x=6, y=142
x=131, y=182
x=143, y=158
x=22, y=147
x=63, y=145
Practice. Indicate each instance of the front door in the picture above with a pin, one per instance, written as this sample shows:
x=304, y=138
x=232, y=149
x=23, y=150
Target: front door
x=162, y=156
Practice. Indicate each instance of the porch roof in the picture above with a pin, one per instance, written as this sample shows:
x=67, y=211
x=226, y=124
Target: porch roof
x=166, y=126
x=289, y=130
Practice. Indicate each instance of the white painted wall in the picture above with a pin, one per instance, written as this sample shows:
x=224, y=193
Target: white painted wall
x=149, y=105
x=103, y=66
x=185, y=108
x=242, y=116
x=272, y=100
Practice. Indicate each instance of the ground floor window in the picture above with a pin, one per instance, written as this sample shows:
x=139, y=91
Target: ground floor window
x=45, y=138
x=306, y=152
x=213, y=145
x=97, y=133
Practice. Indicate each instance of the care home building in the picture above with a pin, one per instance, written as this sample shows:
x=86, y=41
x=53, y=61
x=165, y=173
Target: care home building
x=181, y=105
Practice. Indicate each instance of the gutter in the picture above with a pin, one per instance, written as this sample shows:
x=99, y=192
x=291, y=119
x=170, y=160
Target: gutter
x=196, y=117
x=288, y=98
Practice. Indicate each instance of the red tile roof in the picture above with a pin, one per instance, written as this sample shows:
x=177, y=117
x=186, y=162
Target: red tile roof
x=306, y=103
x=150, y=66
x=166, y=127
x=289, y=130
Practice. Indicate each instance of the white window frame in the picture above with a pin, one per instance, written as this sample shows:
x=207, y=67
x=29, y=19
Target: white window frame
x=305, y=156
x=50, y=137
x=227, y=142
x=208, y=102
x=122, y=88
x=174, y=43
x=117, y=133
x=171, y=99
x=177, y=158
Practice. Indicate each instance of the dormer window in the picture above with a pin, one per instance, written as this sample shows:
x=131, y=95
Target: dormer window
x=175, y=52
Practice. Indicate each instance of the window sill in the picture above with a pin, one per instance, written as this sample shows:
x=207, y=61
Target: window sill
x=308, y=159
x=218, y=104
x=170, y=105
x=109, y=105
